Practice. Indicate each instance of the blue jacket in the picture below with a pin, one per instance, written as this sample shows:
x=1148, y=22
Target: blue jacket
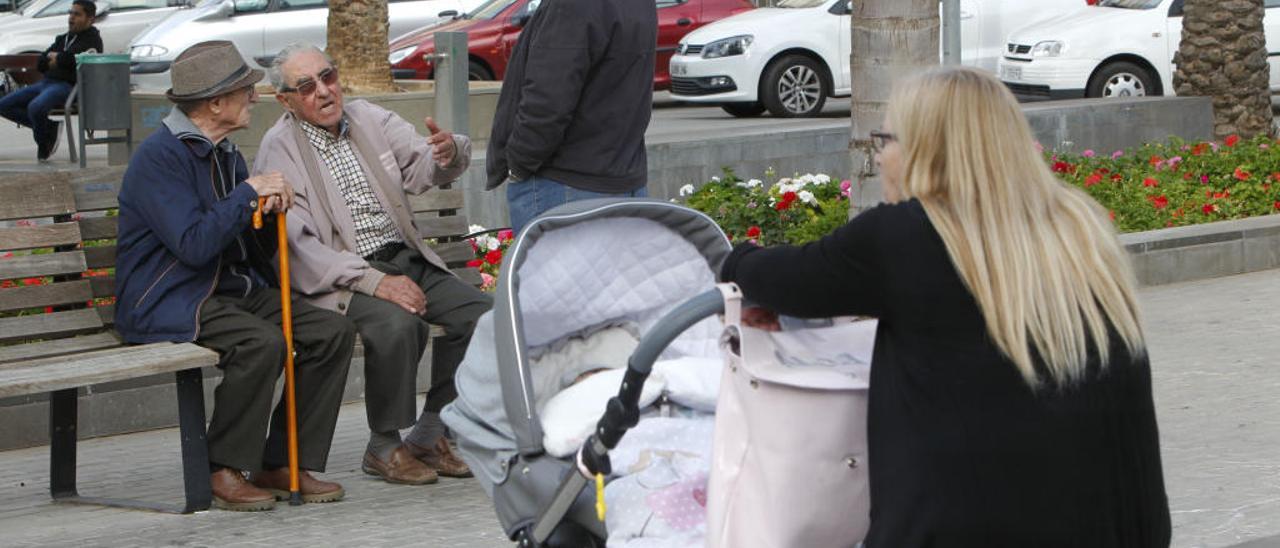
x=173, y=230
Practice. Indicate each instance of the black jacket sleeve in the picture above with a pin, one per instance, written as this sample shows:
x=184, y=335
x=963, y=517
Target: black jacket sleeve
x=43, y=64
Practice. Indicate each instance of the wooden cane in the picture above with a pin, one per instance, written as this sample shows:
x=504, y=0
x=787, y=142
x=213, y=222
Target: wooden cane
x=286, y=312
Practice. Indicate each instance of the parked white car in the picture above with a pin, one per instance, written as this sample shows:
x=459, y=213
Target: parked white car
x=789, y=59
x=1065, y=58
x=259, y=29
x=33, y=30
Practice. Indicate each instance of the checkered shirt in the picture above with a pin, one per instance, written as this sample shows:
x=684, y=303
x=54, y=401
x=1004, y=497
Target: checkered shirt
x=374, y=227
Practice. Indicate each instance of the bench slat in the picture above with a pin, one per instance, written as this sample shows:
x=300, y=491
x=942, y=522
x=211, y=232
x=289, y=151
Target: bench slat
x=38, y=296
x=58, y=347
x=49, y=326
x=31, y=195
x=437, y=199
x=432, y=226
x=31, y=237
x=454, y=252
x=96, y=189
x=100, y=256
x=48, y=264
x=99, y=228
x=59, y=373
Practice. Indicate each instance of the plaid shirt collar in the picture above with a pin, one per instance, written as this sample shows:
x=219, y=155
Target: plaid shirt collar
x=321, y=138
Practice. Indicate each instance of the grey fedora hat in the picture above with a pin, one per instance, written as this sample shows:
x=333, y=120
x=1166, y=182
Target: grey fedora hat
x=209, y=69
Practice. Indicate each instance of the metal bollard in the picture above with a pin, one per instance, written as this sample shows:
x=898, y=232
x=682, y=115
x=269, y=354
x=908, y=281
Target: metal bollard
x=452, y=88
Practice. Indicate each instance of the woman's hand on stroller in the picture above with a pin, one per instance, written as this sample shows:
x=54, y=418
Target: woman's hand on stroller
x=761, y=318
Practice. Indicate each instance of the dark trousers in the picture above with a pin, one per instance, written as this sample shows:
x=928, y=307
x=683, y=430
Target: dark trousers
x=30, y=106
x=247, y=336
x=394, y=340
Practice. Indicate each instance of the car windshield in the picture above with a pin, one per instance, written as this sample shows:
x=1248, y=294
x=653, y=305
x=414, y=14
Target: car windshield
x=800, y=3
x=489, y=9
x=1130, y=4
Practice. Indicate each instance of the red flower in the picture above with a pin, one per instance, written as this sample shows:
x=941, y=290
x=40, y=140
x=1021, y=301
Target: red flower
x=1155, y=160
x=753, y=232
x=790, y=196
x=474, y=247
x=1092, y=180
x=1117, y=177
x=1061, y=167
x=1199, y=149
x=1160, y=202
x=48, y=310
x=504, y=235
x=1112, y=215
x=475, y=263
x=1231, y=140
x=783, y=205
x=1277, y=205
x=1241, y=175
x=1149, y=182
x=33, y=281
x=493, y=257
x=1209, y=209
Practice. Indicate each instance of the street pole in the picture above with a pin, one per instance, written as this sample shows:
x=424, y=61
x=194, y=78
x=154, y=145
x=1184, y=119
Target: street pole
x=951, y=32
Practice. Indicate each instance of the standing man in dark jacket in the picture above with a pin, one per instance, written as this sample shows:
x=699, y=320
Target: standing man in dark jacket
x=192, y=269
x=30, y=106
x=574, y=107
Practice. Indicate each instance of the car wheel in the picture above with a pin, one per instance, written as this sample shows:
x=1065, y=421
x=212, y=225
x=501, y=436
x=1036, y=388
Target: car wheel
x=794, y=86
x=476, y=71
x=1122, y=79
x=744, y=110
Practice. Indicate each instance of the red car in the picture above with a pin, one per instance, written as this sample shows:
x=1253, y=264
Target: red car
x=493, y=28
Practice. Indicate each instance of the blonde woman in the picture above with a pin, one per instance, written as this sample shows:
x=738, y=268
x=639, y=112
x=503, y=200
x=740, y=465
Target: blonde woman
x=1011, y=393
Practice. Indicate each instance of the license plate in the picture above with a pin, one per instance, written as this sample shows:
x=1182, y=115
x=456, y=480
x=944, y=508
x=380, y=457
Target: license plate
x=679, y=69
x=1010, y=73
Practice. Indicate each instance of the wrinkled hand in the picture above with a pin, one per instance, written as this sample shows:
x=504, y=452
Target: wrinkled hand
x=442, y=145
x=275, y=189
x=761, y=318
x=402, y=291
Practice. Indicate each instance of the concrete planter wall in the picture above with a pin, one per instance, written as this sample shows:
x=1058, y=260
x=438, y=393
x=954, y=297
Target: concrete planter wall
x=1210, y=250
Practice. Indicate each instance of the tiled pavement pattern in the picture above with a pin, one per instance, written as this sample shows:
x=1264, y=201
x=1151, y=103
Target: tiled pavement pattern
x=1215, y=348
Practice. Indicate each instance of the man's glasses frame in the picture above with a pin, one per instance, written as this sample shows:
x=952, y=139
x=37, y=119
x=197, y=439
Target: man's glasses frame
x=307, y=86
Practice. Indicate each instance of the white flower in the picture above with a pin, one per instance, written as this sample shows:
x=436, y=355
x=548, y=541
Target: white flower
x=755, y=183
x=491, y=243
x=822, y=179
x=742, y=184
x=715, y=178
x=805, y=180
x=474, y=229
x=787, y=185
x=807, y=197
x=687, y=190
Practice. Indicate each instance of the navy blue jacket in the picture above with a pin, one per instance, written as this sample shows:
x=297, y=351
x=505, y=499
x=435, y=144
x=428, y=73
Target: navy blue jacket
x=173, y=230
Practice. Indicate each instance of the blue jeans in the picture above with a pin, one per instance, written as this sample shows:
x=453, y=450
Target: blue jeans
x=30, y=107
x=534, y=196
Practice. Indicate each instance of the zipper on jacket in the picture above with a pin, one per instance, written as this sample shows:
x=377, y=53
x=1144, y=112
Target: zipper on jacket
x=217, y=269
x=164, y=273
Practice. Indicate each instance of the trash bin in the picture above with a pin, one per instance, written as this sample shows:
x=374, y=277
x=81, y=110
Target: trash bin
x=104, y=103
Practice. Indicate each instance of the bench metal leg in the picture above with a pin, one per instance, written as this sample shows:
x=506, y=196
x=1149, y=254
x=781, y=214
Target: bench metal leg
x=62, y=444
x=195, y=450
x=71, y=142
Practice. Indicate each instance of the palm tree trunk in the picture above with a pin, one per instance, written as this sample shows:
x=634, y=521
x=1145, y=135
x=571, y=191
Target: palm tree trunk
x=891, y=39
x=357, y=41
x=1223, y=54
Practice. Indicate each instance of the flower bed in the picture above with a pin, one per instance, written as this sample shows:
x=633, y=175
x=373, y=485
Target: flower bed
x=792, y=210
x=489, y=247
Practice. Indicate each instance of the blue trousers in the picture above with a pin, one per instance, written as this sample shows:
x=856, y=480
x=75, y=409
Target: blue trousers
x=534, y=196
x=30, y=107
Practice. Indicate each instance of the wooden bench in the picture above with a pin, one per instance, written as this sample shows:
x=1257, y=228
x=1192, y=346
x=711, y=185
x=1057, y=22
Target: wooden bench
x=54, y=342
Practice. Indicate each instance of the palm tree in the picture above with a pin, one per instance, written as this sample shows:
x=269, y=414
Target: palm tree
x=357, y=41
x=891, y=39
x=1223, y=54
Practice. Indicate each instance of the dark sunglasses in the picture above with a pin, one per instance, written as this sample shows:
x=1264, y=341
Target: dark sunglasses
x=307, y=86
x=880, y=139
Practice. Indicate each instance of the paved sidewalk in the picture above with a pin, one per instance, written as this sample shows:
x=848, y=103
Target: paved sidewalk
x=1214, y=350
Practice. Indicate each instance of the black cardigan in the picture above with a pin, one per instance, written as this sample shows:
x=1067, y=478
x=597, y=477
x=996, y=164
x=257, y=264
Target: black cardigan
x=962, y=451
x=65, y=70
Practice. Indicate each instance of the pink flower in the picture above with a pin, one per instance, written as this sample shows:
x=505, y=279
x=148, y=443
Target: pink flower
x=1088, y=153
x=505, y=235
x=1117, y=154
x=1039, y=147
x=487, y=281
x=845, y=185
x=1204, y=179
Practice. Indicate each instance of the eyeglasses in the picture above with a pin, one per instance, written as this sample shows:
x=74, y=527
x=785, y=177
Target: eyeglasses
x=880, y=139
x=307, y=86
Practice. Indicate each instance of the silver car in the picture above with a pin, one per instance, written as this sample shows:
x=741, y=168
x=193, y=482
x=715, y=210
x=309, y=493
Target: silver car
x=33, y=29
x=259, y=29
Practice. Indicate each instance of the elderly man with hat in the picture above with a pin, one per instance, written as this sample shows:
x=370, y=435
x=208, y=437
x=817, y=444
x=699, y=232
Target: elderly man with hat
x=192, y=269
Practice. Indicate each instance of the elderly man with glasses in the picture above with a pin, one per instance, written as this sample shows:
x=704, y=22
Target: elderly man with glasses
x=192, y=269
x=355, y=250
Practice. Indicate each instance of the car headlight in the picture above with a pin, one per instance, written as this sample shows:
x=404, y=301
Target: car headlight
x=144, y=51
x=736, y=45
x=400, y=54
x=1048, y=48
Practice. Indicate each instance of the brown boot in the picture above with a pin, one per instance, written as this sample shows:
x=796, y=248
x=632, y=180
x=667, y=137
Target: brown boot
x=313, y=490
x=232, y=492
x=441, y=458
x=400, y=468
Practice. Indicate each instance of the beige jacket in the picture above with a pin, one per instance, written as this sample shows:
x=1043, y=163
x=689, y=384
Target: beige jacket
x=324, y=267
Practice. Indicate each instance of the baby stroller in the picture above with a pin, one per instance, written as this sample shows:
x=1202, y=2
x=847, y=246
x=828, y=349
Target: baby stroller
x=576, y=268
x=581, y=269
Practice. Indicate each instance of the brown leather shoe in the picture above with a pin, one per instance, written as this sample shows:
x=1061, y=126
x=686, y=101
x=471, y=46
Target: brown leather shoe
x=313, y=490
x=232, y=492
x=441, y=458
x=400, y=468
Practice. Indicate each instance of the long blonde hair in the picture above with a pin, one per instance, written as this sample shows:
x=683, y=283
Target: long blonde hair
x=1039, y=256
